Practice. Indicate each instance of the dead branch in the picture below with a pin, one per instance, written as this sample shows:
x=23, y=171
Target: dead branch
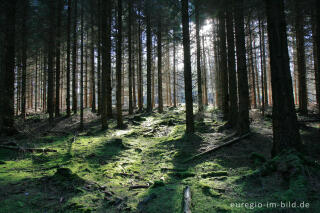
x=219, y=147
x=21, y=149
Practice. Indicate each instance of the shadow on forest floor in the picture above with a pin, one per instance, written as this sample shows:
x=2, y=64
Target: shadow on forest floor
x=142, y=168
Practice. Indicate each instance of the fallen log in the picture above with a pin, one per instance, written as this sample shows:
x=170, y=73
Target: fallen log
x=21, y=149
x=139, y=187
x=187, y=200
x=219, y=147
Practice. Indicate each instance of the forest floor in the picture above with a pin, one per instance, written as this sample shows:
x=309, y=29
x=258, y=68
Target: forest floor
x=143, y=168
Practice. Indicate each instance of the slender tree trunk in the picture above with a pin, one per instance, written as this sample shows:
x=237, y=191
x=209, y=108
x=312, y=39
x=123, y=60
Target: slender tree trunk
x=223, y=66
x=199, y=77
x=149, y=62
x=299, y=25
x=130, y=58
x=24, y=35
x=51, y=43
x=57, y=104
x=187, y=66
x=285, y=128
x=204, y=75
x=68, y=57
x=243, y=90
x=106, y=61
x=262, y=68
x=36, y=87
x=93, y=79
x=252, y=73
x=86, y=73
x=174, y=75
x=119, y=66
x=265, y=80
x=233, y=114
x=74, y=61
x=160, y=99
x=140, y=74
x=81, y=69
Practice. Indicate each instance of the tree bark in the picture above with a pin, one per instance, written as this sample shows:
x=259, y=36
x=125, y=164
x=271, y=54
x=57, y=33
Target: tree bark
x=302, y=84
x=199, y=77
x=74, y=61
x=285, y=128
x=106, y=61
x=243, y=90
x=119, y=66
x=68, y=57
x=58, y=34
x=223, y=66
x=149, y=63
x=233, y=113
x=130, y=58
x=160, y=98
x=187, y=67
x=51, y=43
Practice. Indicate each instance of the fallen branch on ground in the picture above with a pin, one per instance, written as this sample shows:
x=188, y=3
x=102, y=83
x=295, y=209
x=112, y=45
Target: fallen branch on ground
x=139, y=187
x=21, y=149
x=219, y=147
x=187, y=200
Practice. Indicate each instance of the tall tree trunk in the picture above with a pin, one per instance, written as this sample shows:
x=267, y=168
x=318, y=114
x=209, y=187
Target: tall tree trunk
x=93, y=79
x=187, y=66
x=251, y=61
x=68, y=57
x=302, y=82
x=199, y=77
x=140, y=74
x=243, y=118
x=7, y=90
x=204, y=75
x=233, y=114
x=159, y=37
x=119, y=66
x=81, y=69
x=262, y=67
x=174, y=75
x=106, y=61
x=36, y=87
x=223, y=66
x=57, y=104
x=285, y=128
x=86, y=73
x=51, y=43
x=130, y=58
x=24, y=35
x=74, y=60
x=149, y=62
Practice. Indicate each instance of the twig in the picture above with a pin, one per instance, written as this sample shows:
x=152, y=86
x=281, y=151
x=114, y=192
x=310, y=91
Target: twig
x=219, y=147
x=139, y=187
x=21, y=149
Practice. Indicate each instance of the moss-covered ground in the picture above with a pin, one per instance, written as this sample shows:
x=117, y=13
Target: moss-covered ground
x=142, y=168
